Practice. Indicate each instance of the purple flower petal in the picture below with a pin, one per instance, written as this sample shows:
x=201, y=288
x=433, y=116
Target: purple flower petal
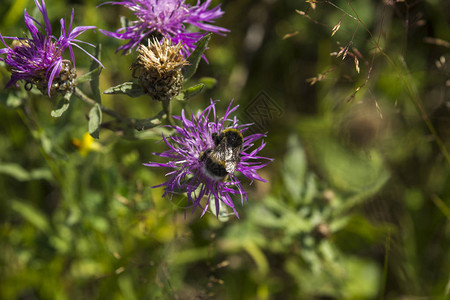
x=187, y=145
x=41, y=54
x=169, y=18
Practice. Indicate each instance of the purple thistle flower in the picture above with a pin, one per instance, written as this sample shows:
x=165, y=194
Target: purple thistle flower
x=189, y=171
x=168, y=18
x=38, y=57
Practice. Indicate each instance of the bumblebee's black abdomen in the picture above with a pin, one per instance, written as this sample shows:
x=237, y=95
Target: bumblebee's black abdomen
x=215, y=168
x=223, y=158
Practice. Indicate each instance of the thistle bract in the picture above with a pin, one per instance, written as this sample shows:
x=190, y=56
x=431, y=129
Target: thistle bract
x=158, y=67
x=188, y=171
x=168, y=18
x=37, y=59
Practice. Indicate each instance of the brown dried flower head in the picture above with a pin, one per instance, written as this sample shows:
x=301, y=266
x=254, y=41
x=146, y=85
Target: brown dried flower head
x=158, y=68
x=62, y=84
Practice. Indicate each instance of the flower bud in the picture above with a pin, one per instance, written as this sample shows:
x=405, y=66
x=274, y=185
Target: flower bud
x=158, y=68
x=62, y=84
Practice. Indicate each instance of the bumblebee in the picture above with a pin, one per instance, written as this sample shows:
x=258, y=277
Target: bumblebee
x=224, y=157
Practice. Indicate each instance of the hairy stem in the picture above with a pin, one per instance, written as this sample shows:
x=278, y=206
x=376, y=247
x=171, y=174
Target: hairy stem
x=92, y=102
x=167, y=109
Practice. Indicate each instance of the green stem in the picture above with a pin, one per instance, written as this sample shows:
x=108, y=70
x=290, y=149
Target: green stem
x=138, y=124
x=167, y=108
x=143, y=124
x=92, y=102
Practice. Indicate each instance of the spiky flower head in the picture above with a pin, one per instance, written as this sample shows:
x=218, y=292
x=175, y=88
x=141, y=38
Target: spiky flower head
x=38, y=58
x=168, y=18
x=188, y=159
x=158, y=67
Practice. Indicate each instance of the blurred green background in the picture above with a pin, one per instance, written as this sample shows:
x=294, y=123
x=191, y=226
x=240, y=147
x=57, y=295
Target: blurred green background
x=357, y=200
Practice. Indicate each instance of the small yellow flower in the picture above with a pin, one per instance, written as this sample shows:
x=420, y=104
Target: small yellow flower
x=86, y=144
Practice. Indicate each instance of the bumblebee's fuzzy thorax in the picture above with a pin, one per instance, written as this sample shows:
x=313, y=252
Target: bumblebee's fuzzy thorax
x=223, y=158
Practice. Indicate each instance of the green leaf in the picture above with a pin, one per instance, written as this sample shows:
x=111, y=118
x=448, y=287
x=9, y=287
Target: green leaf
x=132, y=89
x=191, y=92
x=13, y=101
x=209, y=82
x=31, y=214
x=95, y=119
x=37, y=174
x=222, y=211
x=12, y=98
x=89, y=76
x=15, y=171
x=360, y=173
x=194, y=59
x=61, y=106
x=95, y=78
x=294, y=168
x=15, y=12
x=19, y=173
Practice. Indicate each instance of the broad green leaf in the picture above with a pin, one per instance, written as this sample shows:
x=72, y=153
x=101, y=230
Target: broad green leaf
x=14, y=170
x=41, y=174
x=361, y=173
x=85, y=268
x=95, y=78
x=209, y=82
x=31, y=214
x=192, y=91
x=362, y=278
x=15, y=12
x=19, y=173
x=12, y=98
x=89, y=76
x=143, y=124
x=46, y=142
x=294, y=168
x=95, y=119
x=222, y=211
x=125, y=283
x=13, y=101
x=194, y=59
x=61, y=106
x=132, y=89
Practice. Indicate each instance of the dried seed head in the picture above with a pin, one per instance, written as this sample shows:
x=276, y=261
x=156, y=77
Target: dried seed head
x=158, y=68
x=62, y=84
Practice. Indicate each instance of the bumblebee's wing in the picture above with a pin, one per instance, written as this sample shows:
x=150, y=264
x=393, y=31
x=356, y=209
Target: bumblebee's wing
x=227, y=155
x=231, y=165
x=220, y=152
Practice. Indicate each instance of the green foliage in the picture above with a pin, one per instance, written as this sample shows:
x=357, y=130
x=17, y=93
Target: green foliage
x=195, y=57
x=95, y=119
x=356, y=201
x=190, y=92
x=61, y=106
x=95, y=74
x=132, y=89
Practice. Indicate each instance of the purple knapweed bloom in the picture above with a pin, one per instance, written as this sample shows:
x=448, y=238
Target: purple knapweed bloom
x=38, y=57
x=168, y=18
x=190, y=171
